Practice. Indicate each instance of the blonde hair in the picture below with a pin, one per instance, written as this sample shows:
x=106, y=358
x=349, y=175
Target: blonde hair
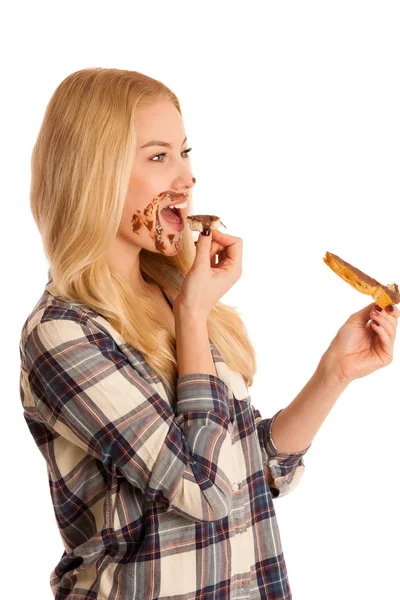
x=81, y=165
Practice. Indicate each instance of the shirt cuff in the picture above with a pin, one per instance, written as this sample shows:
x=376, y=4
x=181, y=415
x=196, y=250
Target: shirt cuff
x=286, y=468
x=265, y=436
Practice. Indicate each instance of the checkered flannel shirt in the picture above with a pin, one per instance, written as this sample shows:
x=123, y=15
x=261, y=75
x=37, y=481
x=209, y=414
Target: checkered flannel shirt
x=155, y=496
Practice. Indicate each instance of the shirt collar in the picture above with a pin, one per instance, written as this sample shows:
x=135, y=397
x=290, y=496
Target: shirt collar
x=51, y=286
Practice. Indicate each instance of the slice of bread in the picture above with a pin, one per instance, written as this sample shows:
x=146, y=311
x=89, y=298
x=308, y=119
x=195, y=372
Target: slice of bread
x=384, y=295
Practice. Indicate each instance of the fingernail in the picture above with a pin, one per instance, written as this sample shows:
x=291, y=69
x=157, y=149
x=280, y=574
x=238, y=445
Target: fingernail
x=378, y=308
x=375, y=323
x=205, y=232
x=390, y=307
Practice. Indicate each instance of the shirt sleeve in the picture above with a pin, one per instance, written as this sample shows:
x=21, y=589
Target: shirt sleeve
x=86, y=390
x=286, y=468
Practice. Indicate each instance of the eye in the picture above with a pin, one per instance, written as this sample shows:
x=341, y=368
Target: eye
x=186, y=152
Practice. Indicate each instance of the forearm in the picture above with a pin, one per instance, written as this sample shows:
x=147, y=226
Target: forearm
x=296, y=425
x=192, y=345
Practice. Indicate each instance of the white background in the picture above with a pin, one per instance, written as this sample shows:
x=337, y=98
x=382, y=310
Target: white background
x=292, y=109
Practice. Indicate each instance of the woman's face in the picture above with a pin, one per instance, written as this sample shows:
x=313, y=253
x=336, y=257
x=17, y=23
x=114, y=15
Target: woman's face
x=157, y=170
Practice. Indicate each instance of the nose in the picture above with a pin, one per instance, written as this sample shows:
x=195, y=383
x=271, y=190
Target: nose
x=185, y=181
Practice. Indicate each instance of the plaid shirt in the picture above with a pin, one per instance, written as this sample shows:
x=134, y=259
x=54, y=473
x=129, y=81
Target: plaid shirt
x=155, y=496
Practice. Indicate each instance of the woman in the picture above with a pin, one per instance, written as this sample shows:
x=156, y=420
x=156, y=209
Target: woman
x=134, y=376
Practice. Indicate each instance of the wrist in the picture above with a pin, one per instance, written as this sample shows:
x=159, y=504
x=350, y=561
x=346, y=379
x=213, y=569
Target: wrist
x=189, y=314
x=329, y=370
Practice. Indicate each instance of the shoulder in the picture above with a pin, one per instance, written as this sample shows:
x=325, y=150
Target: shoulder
x=58, y=325
x=55, y=320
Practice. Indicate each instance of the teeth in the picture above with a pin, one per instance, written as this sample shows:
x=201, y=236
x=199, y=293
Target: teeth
x=183, y=205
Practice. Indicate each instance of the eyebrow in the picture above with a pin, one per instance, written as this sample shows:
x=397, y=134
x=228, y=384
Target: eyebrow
x=159, y=143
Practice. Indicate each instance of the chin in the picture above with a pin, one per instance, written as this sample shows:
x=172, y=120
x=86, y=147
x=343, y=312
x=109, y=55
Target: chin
x=169, y=245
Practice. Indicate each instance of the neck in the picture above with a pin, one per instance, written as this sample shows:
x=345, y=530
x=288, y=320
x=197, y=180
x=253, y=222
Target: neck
x=125, y=258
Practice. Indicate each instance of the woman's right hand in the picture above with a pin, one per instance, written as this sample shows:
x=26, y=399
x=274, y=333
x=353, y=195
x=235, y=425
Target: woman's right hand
x=207, y=281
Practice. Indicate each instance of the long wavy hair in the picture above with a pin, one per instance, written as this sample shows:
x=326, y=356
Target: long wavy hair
x=81, y=166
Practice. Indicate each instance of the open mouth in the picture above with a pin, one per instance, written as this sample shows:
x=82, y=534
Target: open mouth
x=172, y=215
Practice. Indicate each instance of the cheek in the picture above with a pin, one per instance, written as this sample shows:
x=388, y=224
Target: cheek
x=136, y=223
x=131, y=219
x=138, y=220
x=149, y=215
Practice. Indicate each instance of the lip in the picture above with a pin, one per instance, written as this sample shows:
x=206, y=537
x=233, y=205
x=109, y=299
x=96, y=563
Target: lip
x=179, y=200
x=175, y=194
x=176, y=197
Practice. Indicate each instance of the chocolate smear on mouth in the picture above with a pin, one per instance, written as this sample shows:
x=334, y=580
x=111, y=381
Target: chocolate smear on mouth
x=153, y=224
x=148, y=208
x=159, y=243
x=171, y=195
x=177, y=243
x=136, y=223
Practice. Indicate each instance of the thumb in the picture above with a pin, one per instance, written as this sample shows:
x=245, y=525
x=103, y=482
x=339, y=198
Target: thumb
x=203, y=248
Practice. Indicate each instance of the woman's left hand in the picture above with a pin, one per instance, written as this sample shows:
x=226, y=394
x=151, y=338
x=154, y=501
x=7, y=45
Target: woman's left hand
x=361, y=347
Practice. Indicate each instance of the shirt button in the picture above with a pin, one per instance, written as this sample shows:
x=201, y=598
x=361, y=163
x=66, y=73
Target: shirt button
x=235, y=487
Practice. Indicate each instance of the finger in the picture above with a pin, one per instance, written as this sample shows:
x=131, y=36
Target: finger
x=393, y=311
x=362, y=316
x=384, y=338
x=233, y=246
x=224, y=238
x=203, y=247
x=216, y=248
x=384, y=319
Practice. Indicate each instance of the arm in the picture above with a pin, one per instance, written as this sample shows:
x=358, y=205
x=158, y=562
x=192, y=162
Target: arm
x=282, y=470
x=287, y=436
x=194, y=355
x=85, y=389
x=295, y=427
x=193, y=351
x=361, y=346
